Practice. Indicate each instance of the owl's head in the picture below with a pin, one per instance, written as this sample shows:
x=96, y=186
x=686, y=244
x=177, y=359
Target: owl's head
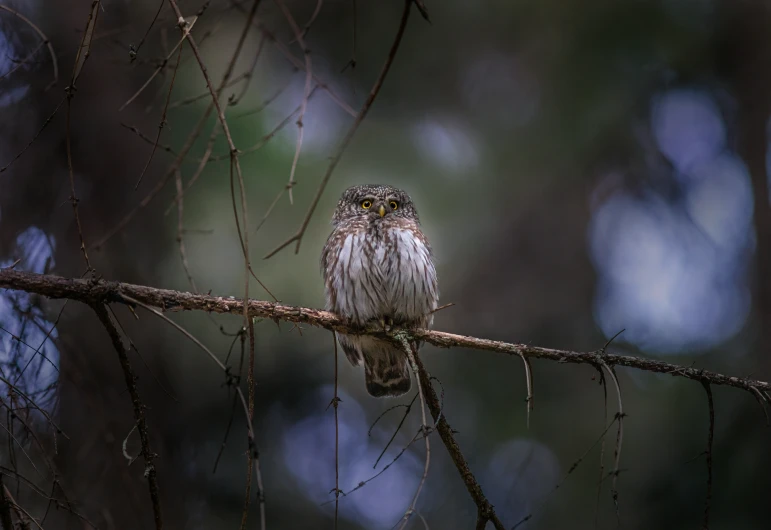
x=374, y=202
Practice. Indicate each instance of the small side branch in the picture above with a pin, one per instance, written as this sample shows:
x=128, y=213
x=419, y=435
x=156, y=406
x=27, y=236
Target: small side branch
x=710, y=437
x=298, y=236
x=5, y=508
x=485, y=509
x=411, y=356
x=42, y=35
x=619, y=438
x=139, y=410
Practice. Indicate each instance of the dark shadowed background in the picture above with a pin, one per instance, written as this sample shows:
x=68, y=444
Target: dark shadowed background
x=580, y=168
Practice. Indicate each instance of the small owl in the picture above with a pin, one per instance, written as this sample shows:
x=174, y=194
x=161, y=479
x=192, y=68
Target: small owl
x=378, y=267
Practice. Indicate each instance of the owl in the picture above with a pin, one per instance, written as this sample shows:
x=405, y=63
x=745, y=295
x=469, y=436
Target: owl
x=378, y=268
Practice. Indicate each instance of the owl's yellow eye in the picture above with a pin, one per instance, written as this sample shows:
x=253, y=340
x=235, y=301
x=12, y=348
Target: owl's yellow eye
x=366, y=205
x=393, y=204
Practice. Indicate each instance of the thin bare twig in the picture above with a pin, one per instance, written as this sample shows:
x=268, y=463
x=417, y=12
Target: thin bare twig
x=5, y=507
x=602, y=447
x=46, y=123
x=297, y=63
x=297, y=237
x=161, y=66
x=529, y=383
x=408, y=350
x=181, y=229
x=147, y=139
x=619, y=438
x=571, y=469
x=180, y=328
x=85, y=44
x=135, y=49
x=407, y=409
x=306, y=93
x=710, y=437
x=191, y=138
x=21, y=63
x=314, y=16
x=42, y=35
x=253, y=456
x=139, y=410
x=253, y=451
x=162, y=123
x=265, y=139
x=335, y=404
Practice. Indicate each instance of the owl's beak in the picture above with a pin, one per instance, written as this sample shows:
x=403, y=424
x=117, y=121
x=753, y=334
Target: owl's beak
x=382, y=210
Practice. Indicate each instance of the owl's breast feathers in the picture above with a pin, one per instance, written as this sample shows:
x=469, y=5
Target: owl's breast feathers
x=380, y=269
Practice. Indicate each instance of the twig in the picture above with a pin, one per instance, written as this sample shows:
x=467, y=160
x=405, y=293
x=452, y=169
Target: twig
x=297, y=237
x=181, y=229
x=135, y=50
x=234, y=100
x=306, y=94
x=264, y=140
x=199, y=170
x=21, y=63
x=408, y=350
x=407, y=410
x=363, y=483
x=21, y=514
x=180, y=328
x=336, y=402
x=161, y=66
x=301, y=65
x=126, y=454
x=139, y=410
x=529, y=383
x=314, y=15
x=250, y=413
x=267, y=101
x=85, y=43
x=42, y=35
x=352, y=61
x=710, y=437
x=37, y=134
x=191, y=138
x=147, y=139
x=602, y=446
x=162, y=123
x=12, y=437
x=5, y=507
x=28, y=399
x=571, y=469
x=485, y=509
x=619, y=438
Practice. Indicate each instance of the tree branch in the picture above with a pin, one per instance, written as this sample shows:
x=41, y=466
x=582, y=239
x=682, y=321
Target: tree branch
x=96, y=291
x=485, y=511
x=139, y=409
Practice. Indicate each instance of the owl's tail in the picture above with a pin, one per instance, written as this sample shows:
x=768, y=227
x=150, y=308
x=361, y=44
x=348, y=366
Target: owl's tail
x=387, y=375
x=386, y=367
